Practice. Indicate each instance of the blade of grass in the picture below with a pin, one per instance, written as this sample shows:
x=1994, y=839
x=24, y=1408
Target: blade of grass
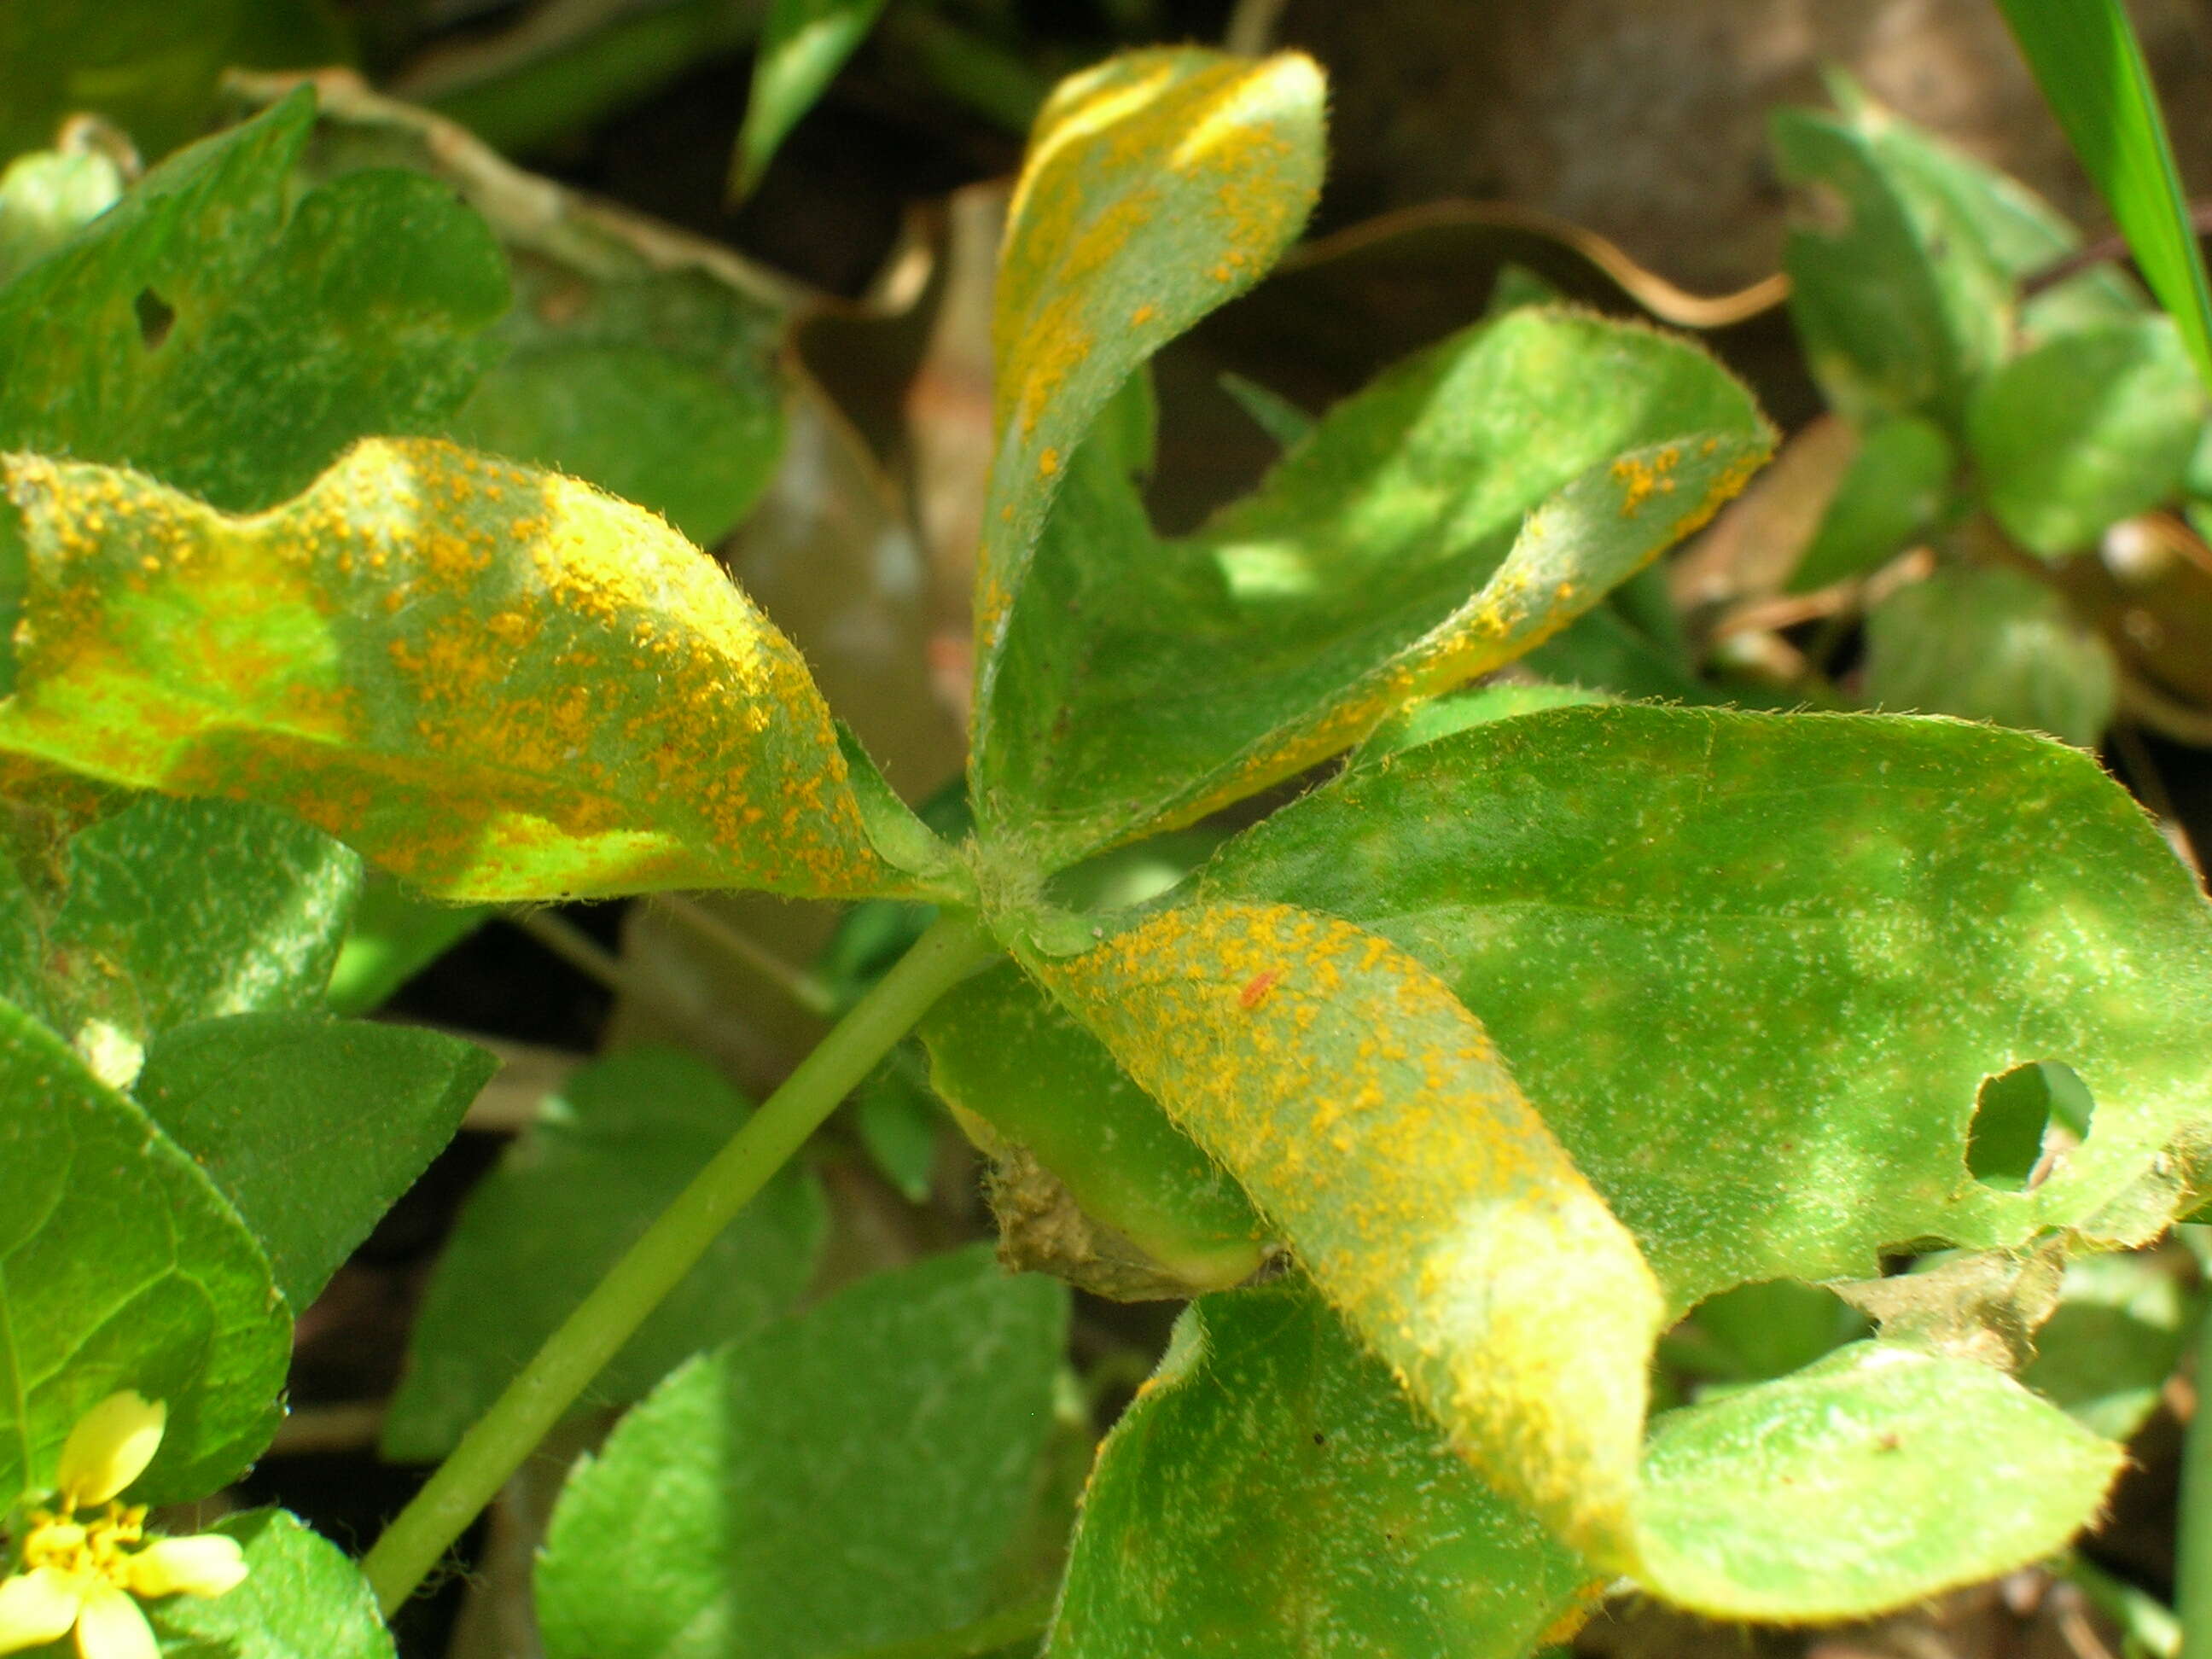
x=2087, y=61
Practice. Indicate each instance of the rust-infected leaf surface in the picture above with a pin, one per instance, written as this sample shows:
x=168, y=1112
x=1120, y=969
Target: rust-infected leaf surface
x=498, y=683
x=1369, y=1116
x=1463, y=508
x=1157, y=187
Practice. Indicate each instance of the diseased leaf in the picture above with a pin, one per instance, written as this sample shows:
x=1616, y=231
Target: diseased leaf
x=167, y=912
x=208, y=332
x=311, y=1126
x=1470, y=503
x=1990, y=644
x=499, y=684
x=1157, y=187
x=1001, y=1049
x=1370, y=1119
x=605, y=1159
x=1840, y=1491
x=803, y=44
x=1981, y=1305
x=121, y=1266
x=1753, y=969
x=2086, y=430
x=854, y=1476
x=301, y=1599
x=1273, y=1492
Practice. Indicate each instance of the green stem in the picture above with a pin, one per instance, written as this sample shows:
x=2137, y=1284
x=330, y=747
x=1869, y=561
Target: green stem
x=575, y=1353
x=2192, y=1568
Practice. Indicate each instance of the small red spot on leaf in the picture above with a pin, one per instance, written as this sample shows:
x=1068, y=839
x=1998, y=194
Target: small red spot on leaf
x=1257, y=988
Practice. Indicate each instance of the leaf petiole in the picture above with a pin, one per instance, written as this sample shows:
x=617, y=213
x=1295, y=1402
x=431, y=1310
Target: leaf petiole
x=575, y=1353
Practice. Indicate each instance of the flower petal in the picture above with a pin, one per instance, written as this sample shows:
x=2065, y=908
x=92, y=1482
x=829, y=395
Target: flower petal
x=35, y=1608
x=112, y=1627
x=110, y=1447
x=207, y=1564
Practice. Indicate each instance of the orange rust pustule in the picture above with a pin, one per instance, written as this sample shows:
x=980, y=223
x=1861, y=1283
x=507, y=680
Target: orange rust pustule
x=500, y=682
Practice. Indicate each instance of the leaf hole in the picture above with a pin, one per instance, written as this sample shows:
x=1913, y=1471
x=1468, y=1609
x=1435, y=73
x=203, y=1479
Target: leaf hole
x=156, y=318
x=2025, y=1120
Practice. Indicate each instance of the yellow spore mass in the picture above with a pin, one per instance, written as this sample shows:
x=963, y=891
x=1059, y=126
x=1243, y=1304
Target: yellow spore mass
x=1154, y=187
x=502, y=682
x=1369, y=1117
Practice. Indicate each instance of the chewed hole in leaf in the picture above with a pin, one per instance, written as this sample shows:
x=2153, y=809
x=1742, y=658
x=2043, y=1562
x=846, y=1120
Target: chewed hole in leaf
x=1755, y=1331
x=156, y=316
x=2024, y=1121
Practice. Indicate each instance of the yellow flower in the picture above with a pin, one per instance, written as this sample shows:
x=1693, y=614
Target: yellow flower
x=81, y=1574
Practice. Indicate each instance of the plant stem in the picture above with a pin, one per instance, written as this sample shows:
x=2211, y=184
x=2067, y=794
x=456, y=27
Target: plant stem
x=2192, y=1567
x=801, y=987
x=576, y=947
x=575, y=1353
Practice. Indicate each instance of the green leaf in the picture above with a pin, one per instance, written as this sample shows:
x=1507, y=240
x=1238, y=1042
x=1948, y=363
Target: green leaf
x=121, y=1266
x=498, y=684
x=1272, y=413
x=639, y=423
x=803, y=45
x=303, y=1599
x=168, y=911
x=898, y=1119
x=1990, y=644
x=152, y=69
x=1746, y=914
x=1272, y=1492
x=1758, y=1331
x=208, y=333
x=396, y=933
x=1899, y=486
x=311, y=1126
x=1875, y=1479
x=1157, y=185
x=2085, y=429
x=2085, y=57
x=1371, y=1119
x=853, y=1477
x=1439, y=717
x=2118, y=1331
x=635, y=358
x=1472, y=502
x=605, y=1157
x=2020, y=232
x=1000, y=1049
x=1898, y=302
x=47, y=196
x=1606, y=654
